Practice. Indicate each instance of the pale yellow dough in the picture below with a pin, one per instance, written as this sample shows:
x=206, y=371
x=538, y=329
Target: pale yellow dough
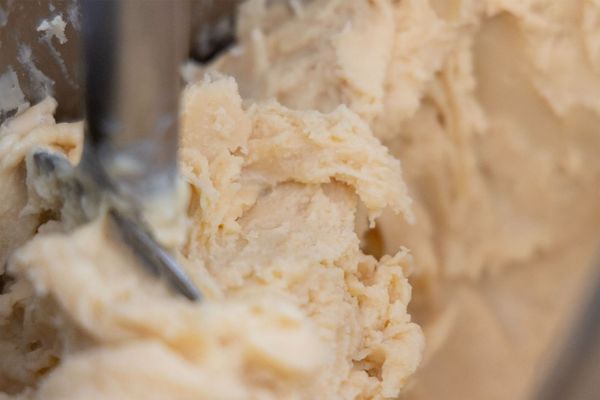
x=491, y=105
x=293, y=308
x=493, y=108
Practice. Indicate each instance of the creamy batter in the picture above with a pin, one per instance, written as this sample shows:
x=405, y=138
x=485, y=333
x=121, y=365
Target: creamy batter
x=492, y=108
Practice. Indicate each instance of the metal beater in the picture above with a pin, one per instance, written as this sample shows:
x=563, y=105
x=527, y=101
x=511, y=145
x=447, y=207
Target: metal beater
x=132, y=52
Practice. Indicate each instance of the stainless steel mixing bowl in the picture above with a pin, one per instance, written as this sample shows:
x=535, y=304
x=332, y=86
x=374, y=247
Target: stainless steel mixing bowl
x=212, y=30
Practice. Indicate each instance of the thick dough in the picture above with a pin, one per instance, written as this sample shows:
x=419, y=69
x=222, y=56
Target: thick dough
x=293, y=308
x=492, y=107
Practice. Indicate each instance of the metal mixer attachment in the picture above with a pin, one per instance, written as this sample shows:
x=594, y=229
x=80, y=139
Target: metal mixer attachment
x=132, y=51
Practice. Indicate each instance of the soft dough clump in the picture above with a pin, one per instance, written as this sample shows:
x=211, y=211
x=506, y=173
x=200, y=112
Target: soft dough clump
x=293, y=310
x=492, y=106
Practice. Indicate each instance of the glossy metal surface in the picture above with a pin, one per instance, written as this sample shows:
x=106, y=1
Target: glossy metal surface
x=61, y=62
x=132, y=52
